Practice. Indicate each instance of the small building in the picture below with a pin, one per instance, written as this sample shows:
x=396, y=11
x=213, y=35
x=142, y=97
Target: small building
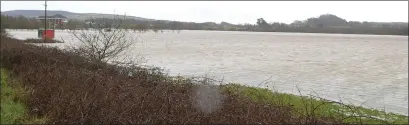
x=53, y=22
x=57, y=20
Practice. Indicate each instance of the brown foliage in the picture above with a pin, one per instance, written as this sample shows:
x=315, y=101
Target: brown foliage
x=68, y=89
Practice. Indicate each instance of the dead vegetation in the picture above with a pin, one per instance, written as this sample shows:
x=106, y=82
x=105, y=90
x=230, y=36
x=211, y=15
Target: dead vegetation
x=47, y=40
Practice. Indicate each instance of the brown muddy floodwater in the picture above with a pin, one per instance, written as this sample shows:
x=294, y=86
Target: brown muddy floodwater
x=368, y=69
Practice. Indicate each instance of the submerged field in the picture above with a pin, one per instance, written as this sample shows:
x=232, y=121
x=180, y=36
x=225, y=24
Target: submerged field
x=367, y=70
x=65, y=89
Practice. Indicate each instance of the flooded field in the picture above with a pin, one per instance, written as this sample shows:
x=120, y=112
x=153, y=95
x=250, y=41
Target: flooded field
x=362, y=69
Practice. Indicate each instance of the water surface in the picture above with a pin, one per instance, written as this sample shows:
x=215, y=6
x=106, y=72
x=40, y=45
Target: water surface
x=371, y=70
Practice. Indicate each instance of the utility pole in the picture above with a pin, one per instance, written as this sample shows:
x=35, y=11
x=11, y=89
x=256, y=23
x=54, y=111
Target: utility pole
x=45, y=20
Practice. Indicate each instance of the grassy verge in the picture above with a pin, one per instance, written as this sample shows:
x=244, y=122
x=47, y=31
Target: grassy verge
x=13, y=109
x=316, y=107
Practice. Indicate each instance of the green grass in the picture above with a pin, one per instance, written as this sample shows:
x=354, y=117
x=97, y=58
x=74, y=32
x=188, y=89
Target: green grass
x=305, y=105
x=13, y=109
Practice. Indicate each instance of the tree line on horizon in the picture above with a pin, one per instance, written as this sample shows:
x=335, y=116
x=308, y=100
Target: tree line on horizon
x=326, y=23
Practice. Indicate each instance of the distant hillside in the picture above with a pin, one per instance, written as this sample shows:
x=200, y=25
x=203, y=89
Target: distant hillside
x=69, y=15
x=325, y=23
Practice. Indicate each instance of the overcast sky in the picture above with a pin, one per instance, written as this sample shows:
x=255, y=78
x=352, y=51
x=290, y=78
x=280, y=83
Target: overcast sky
x=230, y=11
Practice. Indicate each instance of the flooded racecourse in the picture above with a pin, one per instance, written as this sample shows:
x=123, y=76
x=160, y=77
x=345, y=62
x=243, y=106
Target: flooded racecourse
x=371, y=70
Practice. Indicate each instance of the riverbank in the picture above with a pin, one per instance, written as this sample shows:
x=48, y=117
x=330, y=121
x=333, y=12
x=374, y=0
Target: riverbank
x=69, y=89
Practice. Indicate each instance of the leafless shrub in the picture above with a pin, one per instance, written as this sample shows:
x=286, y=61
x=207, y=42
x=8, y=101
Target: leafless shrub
x=103, y=41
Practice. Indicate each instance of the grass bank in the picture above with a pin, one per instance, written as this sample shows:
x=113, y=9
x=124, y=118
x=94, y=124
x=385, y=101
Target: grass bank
x=13, y=108
x=68, y=89
x=319, y=107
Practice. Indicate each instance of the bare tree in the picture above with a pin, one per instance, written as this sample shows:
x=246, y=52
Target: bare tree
x=104, y=40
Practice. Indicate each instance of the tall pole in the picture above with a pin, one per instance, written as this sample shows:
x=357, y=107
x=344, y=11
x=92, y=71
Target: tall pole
x=45, y=20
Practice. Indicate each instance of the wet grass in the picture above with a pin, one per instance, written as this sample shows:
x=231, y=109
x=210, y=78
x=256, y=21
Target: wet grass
x=318, y=107
x=13, y=108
